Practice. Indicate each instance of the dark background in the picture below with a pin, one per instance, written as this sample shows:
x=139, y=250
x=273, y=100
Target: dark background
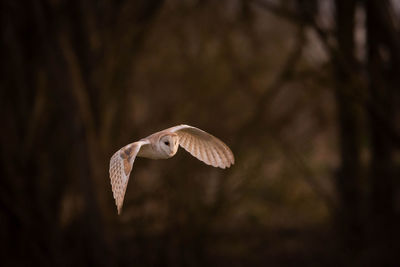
x=306, y=93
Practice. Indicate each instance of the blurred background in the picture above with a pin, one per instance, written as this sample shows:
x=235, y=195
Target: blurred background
x=306, y=94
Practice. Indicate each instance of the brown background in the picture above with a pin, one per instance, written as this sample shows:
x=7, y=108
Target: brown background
x=306, y=93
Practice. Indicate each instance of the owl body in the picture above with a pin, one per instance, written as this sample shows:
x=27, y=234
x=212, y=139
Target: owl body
x=151, y=152
x=164, y=145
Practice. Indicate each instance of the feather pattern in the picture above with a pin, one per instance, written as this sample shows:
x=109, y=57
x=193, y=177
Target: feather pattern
x=121, y=164
x=163, y=145
x=195, y=140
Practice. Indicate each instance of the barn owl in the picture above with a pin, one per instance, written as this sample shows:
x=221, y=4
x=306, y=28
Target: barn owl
x=164, y=145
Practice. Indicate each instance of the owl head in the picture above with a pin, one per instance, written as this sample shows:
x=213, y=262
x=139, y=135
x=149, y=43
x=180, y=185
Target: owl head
x=169, y=144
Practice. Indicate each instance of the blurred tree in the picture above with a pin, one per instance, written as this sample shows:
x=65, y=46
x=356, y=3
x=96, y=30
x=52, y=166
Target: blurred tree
x=297, y=88
x=349, y=174
x=62, y=68
x=383, y=109
x=366, y=91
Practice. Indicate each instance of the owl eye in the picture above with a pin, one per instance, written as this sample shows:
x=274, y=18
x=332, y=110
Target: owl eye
x=166, y=143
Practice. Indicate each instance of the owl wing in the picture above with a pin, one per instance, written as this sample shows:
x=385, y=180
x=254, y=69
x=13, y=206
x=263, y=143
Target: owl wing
x=121, y=164
x=204, y=146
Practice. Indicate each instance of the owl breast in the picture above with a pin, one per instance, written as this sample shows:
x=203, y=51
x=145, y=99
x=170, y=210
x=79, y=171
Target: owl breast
x=151, y=152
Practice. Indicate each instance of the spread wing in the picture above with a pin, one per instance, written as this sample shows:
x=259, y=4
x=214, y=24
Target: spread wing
x=204, y=146
x=121, y=164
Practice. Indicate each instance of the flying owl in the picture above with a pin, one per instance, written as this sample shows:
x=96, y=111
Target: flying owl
x=164, y=145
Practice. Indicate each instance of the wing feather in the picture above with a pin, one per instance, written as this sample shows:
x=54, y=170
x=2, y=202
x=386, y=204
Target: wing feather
x=182, y=139
x=204, y=146
x=203, y=153
x=220, y=159
x=121, y=164
x=217, y=157
x=209, y=158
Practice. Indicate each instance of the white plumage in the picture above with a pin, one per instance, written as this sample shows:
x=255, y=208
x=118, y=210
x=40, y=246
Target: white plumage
x=164, y=145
